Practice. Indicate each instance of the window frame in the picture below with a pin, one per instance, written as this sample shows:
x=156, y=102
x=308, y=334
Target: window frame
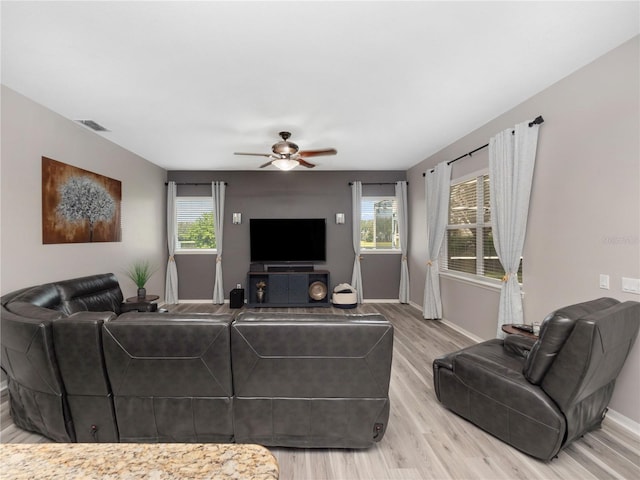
x=473, y=278
x=378, y=251
x=193, y=251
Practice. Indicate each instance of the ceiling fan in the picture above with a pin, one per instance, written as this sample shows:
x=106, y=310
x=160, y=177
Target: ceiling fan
x=286, y=155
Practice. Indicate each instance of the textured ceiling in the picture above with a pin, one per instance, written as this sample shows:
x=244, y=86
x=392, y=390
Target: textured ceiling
x=186, y=84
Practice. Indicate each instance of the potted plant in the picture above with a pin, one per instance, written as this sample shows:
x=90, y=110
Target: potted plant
x=140, y=272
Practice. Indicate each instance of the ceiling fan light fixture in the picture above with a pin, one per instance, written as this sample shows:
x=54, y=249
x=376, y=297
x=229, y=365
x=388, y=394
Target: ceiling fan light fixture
x=285, y=148
x=285, y=163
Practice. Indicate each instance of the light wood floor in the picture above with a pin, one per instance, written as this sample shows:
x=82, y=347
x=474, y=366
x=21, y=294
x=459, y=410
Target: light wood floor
x=423, y=439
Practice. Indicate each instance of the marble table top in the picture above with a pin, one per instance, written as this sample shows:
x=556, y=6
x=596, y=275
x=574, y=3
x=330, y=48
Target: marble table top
x=122, y=461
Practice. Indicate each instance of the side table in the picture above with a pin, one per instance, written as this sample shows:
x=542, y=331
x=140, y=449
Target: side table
x=147, y=299
x=511, y=330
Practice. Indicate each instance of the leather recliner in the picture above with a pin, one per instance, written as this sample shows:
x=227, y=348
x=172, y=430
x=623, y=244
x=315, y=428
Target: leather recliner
x=539, y=396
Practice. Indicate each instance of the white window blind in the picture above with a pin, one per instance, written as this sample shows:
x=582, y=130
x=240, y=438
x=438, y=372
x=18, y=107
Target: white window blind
x=379, y=224
x=196, y=231
x=468, y=247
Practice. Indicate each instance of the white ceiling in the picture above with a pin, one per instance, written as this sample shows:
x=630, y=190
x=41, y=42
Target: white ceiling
x=186, y=84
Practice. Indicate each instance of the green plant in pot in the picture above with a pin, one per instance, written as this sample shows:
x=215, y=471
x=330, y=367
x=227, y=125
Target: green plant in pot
x=140, y=272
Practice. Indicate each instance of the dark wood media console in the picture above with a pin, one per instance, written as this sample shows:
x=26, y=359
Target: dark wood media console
x=287, y=288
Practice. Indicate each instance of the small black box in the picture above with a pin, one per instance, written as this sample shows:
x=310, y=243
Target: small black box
x=236, y=298
x=256, y=267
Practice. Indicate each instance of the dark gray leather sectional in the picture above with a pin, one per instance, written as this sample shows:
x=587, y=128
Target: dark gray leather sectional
x=81, y=369
x=539, y=396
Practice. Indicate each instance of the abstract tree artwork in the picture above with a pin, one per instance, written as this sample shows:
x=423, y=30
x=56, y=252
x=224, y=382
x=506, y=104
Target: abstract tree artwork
x=78, y=206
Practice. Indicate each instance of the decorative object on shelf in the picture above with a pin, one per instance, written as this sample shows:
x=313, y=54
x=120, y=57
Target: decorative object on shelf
x=140, y=272
x=261, y=285
x=78, y=206
x=318, y=290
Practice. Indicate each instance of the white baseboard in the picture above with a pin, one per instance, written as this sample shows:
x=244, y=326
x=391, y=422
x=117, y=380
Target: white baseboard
x=624, y=422
x=462, y=331
x=457, y=328
x=380, y=300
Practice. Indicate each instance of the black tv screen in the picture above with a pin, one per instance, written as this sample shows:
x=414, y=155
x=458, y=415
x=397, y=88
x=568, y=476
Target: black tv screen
x=288, y=239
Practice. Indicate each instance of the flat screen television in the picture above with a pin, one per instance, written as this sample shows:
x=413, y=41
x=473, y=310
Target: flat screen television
x=288, y=240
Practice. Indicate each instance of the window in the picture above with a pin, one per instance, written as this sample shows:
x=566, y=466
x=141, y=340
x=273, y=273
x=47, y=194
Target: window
x=379, y=224
x=196, y=231
x=468, y=247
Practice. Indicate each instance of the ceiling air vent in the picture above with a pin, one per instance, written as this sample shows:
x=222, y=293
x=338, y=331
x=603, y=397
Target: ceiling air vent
x=92, y=125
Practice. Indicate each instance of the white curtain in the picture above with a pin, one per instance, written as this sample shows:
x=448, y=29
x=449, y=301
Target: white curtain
x=437, y=185
x=218, y=191
x=403, y=230
x=171, y=281
x=356, y=206
x=511, y=162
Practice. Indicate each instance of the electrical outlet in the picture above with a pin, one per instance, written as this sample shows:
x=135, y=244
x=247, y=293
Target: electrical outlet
x=238, y=285
x=631, y=285
x=604, y=281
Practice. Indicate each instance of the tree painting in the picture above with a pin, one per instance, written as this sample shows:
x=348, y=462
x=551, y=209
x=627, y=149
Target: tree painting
x=83, y=200
x=78, y=206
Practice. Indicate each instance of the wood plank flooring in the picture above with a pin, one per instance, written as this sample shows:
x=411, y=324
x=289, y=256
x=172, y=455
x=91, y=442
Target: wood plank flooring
x=423, y=439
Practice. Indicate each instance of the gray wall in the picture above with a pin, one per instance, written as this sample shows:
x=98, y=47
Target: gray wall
x=29, y=132
x=276, y=194
x=585, y=204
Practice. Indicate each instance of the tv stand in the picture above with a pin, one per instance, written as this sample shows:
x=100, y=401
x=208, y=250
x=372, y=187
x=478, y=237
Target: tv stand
x=287, y=288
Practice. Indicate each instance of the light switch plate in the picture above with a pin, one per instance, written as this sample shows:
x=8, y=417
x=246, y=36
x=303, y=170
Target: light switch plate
x=604, y=281
x=631, y=285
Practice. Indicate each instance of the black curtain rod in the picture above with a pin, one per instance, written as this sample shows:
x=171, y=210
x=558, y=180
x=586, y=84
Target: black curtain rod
x=537, y=121
x=377, y=183
x=188, y=183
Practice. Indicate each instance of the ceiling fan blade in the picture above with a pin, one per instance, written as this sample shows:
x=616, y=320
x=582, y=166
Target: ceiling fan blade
x=254, y=154
x=317, y=153
x=266, y=164
x=305, y=164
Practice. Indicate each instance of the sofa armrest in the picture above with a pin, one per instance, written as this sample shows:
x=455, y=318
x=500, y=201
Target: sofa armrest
x=519, y=345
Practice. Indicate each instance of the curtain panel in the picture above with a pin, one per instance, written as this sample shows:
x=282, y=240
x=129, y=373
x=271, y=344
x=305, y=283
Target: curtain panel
x=356, y=207
x=171, y=280
x=437, y=186
x=511, y=163
x=403, y=230
x=218, y=193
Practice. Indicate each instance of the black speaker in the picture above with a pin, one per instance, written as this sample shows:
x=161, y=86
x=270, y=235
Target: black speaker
x=236, y=298
x=256, y=267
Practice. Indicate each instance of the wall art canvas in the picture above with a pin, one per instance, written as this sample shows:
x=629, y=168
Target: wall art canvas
x=79, y=206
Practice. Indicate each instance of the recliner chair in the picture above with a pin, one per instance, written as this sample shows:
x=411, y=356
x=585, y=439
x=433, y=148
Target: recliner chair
x=539, y=396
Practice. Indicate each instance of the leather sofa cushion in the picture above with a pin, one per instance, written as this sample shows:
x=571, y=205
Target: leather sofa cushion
x=160, y=355
x=93, y=293
x=554, y=331
x=44, y=296
x=311, y=355
x=29, y=310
